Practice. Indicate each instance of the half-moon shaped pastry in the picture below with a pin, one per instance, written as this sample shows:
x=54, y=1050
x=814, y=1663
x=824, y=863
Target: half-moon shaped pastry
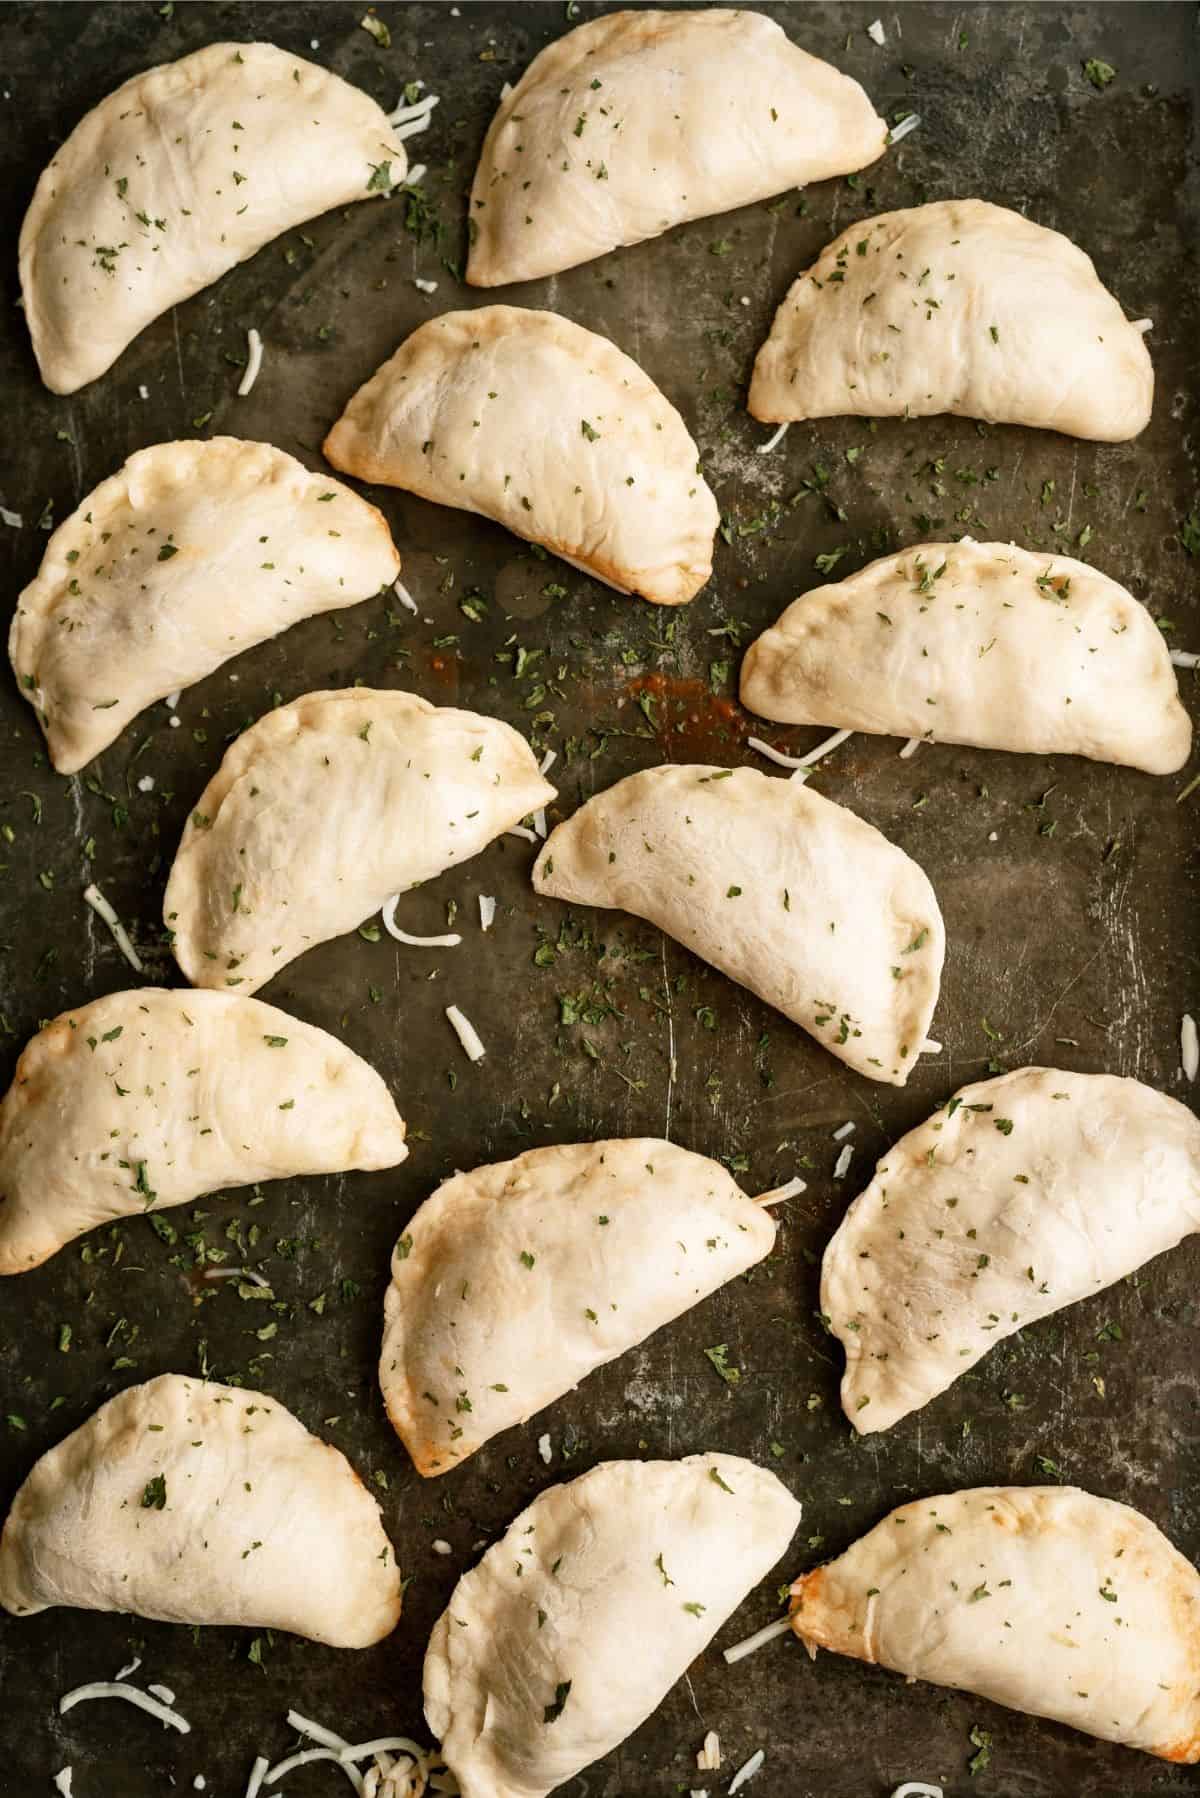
x=641, y=120
x=179, y=174
x=959, y=307
x=150, y=1098
x=1023, y=1195
x=549, y=430
x=190, y=554
x=787, y=893
x=1043, y=1598
x=978, y=643
x=514, y=1282
x=324, y=809
x=575, y=1625
x=190, y=1502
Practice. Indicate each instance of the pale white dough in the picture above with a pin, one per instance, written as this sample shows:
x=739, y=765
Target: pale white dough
x=1022, y=1195
x=185, y=170
x=512, y=1283
x=189, y=554
x=639, y=121
x=148, y=1099
x=958, y=306
x=324, y=809
x=1043, y=1598
x=978, y=643
x=551, y=431
x=259, y=1523
x=575, y=1625
x=784, y=891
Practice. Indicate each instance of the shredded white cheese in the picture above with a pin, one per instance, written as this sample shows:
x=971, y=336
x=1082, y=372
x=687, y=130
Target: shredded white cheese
x=910, y=748
x=506, y=90
x=164, y=1694
x=416, y=174
x=359, y=1751
x=778, y=1194
x=450, y=940
x=903, y=128
x=199, y=1784
x=846, y=1129
x=388, y=1778
x=1142, y=325
x=12, y=519
x=129, y=1667
x=519, y=830
x=62, y=1781
x=774, y=755
x=403, y=113
x=146, y=784
x=544, y=1449
x=875, y=32
x=764, y=449
x=747, y=1770
x=916, y=1788
x=143, y=392
x=226, y=1273
x=708, y=1758
x=423, y=286
x=930, y=1047
x=404, y=596
x=254, y=350
x=105, y=1688
x=487, y=911
x=547, y=762
x=1189, y=1046
x=316, y=1732
x=1185, y=658
x=410, y=121
x=99, y=904
x=172, y=700
x=304, y=1756
x=824, y=749
x=539, y=822
x=466, y=1033
x=841, y=1166
x=441, y=1547
x=769, y=1633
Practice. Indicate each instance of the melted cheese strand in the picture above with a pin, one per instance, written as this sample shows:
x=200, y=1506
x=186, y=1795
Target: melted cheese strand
x=778, y=1194
x=466, y=1033
x=302, y=1759
x=99, y=904
x=105, y=1688
x=769, y=1633
x=747, y=1770
x=450, y=940
x=764, y=449
x=254, y=347
x=774, y=755
x=903, y=128
x=824, y=749
x=260, y=1767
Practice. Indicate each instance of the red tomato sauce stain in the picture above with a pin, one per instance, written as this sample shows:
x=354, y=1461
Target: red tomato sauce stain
x=443, y=670
x=686, y=716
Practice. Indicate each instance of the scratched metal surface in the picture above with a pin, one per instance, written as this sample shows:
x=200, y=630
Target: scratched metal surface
x=1083, y=932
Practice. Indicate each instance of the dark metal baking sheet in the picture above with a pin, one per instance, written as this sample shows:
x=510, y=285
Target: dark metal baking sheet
x=1068, y=888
